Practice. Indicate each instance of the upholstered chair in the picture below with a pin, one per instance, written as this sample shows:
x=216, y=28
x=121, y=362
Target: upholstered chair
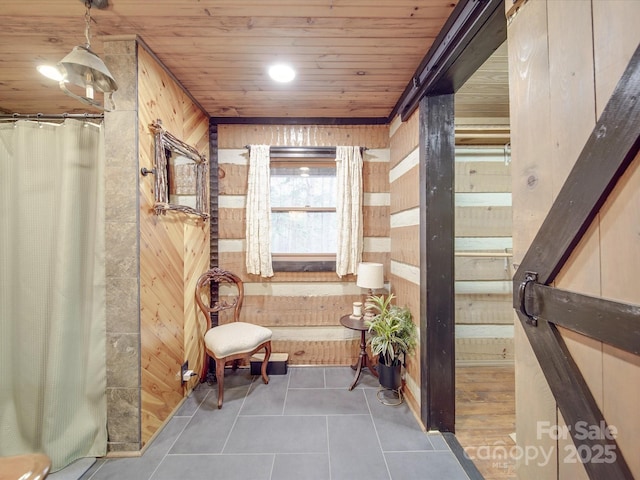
x=233, y=341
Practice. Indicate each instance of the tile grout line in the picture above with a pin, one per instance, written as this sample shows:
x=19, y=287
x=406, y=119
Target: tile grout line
x=163, y=458
x=384, y=457
x=179, y=434
x=326, y=422
x=170, y=447
x=286, y=394
x=97, y=470
x=235, y=421
x=273, y=464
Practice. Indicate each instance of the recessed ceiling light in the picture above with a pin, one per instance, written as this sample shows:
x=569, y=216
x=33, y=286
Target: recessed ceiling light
x=282, y=73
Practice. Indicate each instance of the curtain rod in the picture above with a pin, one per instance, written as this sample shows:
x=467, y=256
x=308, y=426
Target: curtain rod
x=300, y=152
x=53, y=116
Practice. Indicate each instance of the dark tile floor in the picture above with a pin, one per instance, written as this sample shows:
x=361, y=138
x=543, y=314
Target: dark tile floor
x=305, y=425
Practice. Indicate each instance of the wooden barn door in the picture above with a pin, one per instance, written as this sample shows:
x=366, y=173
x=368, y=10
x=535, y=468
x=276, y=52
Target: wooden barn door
x=583, y=345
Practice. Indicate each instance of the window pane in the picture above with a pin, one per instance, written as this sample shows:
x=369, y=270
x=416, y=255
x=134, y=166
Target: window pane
x=303, y=187
x=303, y=232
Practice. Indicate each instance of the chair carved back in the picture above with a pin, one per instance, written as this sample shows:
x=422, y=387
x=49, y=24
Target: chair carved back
x=219, y=276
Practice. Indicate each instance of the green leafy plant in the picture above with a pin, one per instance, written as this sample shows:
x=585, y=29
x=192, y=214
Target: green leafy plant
x=392, y=330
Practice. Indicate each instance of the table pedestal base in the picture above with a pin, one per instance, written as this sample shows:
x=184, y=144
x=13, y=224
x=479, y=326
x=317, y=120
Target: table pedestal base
x=363, y=362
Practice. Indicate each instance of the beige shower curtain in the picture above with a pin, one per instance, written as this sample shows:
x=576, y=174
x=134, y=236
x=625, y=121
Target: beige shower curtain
x=52, y=290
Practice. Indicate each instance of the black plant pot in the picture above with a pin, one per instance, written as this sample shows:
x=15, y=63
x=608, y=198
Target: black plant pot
x=390, y=376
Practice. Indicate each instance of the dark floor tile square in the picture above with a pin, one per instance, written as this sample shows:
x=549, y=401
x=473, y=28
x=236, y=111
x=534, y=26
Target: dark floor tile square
x=125, y=469
x=266, y=399
x=193, y=401
x=76, y=469
x=325, y=402
x=94, y=468
x=209, y=427
x=307, y=466
x=240, y=377
x=236, y=385
x=223, y=467
x=278, y=434
x=140, y=468
x=167, y=437
x=396, y=426
x=343, y=377
x=354, y=451
x=438, y=441
x=425, y=466
x=306, y=377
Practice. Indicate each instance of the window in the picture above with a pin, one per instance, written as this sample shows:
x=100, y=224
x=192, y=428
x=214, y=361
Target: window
x=317, y=201
x=303, y=214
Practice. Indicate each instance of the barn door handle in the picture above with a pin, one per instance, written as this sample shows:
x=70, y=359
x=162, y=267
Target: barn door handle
x=528, y=278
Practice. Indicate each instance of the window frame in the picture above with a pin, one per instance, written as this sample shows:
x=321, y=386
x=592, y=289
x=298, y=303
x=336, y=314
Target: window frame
x=287, y=262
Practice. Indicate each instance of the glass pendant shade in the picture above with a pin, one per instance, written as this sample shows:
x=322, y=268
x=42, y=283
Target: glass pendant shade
x=85, y=70
x=82, y=67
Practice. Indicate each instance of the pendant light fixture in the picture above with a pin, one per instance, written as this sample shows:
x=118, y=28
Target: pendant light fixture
x=82, y=70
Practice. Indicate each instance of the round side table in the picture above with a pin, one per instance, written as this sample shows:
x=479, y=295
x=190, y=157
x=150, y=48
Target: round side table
x=363, y=359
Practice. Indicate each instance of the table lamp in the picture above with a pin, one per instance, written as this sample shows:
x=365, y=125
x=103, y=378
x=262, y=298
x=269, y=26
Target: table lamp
x=371, y=276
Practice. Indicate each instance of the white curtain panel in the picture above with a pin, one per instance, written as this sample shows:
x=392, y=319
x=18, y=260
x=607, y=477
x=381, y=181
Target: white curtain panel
x=258, y=213
x=52, y=292
x=349, y=209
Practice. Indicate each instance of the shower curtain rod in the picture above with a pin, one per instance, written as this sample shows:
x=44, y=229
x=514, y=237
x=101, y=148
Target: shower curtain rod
x=53, y=116
x=300, y=152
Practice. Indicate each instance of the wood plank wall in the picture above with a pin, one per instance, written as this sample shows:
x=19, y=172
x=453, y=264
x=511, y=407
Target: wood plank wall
x=483, y=304
x=302, y=309
x=174, y=251
x=565, y=59
x=404, y=184
x=483, y=224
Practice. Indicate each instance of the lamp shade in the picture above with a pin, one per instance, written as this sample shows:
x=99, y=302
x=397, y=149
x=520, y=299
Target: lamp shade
x=370, y=275
x=82, y=66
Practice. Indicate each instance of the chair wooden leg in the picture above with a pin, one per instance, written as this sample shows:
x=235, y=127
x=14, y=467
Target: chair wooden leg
x=205, y=369
x=265, y=362
x=220, y=375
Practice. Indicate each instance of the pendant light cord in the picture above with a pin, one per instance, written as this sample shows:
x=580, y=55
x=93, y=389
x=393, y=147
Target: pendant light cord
x=87, y=19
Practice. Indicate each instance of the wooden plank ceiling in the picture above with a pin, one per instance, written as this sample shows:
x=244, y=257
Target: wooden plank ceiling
x=353, y=57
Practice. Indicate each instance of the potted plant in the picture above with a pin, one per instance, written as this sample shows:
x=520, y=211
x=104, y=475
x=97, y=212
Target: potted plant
x=393, y=334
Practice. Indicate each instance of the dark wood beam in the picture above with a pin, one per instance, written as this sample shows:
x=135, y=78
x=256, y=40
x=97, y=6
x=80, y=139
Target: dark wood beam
x=214, y=186
x=474, y=30
x=437, y=309
x=614, y=323
x=576, y=402
x=214, y=257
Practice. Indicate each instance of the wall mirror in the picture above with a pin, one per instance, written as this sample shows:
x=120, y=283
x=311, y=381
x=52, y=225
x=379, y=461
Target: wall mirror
x=180, y=175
